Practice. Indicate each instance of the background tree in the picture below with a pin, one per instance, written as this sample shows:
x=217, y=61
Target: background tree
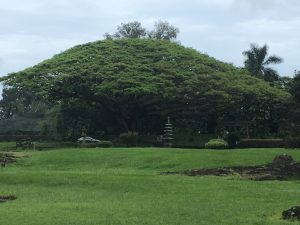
x=22, y=110
x=163, y=30
x=257, y=62
x=296, y=87
x=284, y=83
x=130, y=30
x=292, y=116
x=133, y=84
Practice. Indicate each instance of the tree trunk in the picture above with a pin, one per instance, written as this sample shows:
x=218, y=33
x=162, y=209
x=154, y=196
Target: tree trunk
x=125, y=125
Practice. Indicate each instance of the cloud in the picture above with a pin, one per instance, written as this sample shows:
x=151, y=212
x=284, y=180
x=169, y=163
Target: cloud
x=33, y=30
x=21, y=51
x=262, y=4
x=283, y=9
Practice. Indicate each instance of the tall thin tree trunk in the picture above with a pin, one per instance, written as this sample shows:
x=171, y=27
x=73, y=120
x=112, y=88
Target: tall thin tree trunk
x=125, y=125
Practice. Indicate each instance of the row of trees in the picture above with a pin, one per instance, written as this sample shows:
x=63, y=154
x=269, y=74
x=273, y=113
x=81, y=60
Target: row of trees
x=162, y=31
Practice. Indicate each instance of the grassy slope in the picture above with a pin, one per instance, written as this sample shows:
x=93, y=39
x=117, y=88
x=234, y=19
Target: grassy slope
x=122, y=186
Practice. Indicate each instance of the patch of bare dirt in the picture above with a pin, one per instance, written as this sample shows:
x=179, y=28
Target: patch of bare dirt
x=7, y=198
x=292, y=213
x=283, y=167
x=7, y=158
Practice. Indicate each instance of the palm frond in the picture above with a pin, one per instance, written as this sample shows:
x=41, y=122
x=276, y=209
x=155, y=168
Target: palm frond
x=273, y=59
x=261, y=54
x=256, y=60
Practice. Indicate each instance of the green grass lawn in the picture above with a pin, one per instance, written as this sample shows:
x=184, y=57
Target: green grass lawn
x=122, y=186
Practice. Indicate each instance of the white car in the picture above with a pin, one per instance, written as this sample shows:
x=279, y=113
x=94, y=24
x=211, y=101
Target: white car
x=88, y=139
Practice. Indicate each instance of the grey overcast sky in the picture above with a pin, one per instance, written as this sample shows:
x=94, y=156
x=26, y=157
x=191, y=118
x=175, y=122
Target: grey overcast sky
x=34, y=30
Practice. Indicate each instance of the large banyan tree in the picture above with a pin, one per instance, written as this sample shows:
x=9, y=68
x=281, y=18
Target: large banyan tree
x=122, y=85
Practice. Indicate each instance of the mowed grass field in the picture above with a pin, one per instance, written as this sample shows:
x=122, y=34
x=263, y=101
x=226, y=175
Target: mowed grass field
x=118, y=186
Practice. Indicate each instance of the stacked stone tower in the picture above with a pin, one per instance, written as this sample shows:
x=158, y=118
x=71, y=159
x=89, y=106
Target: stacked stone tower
x=168, y=134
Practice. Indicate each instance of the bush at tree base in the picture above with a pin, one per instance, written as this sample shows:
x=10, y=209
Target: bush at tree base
x=261, y=143
x=233, y=139
x=129, y=139
x=101, y=144
x=216, y=144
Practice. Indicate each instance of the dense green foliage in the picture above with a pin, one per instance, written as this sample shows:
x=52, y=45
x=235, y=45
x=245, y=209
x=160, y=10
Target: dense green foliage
x=216, y=144
x=262, y=143
x=295, y=89
x=22, y=109
x=116, y=86
x=101, y=144
x=129, y=139
x=123, y=186
x=293, y=114
x=129, y=30
x=164, y=31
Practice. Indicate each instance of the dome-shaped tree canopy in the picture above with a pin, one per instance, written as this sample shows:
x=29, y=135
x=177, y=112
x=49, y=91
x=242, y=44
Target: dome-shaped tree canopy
x=135, y=83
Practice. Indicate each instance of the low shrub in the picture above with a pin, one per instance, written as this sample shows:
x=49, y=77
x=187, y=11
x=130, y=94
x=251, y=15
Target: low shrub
x=100, y=144
x=190, y=139
x=129, y=139
x=89, y=145
x=105, y=144
x=147, y=140
x=216, y=144
x=292, y=142
x=233, y=139
x=261, y=143
x=54, y=144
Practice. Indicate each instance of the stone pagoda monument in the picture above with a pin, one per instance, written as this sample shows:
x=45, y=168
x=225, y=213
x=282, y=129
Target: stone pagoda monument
x=168, y=134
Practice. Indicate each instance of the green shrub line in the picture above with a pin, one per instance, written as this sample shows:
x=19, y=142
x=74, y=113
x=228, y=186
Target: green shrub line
x=216, y=144
x=101, y=144
x=134, y=140
x=261, y=143
x=129, y=139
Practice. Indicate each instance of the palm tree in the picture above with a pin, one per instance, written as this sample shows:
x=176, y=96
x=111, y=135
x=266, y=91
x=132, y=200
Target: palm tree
x=257, y=60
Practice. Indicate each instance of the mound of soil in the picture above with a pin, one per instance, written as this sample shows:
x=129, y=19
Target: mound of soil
x=283, y=160
x=7, y=158
x=7, y=198
x=283, y=167
x=292, y=213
